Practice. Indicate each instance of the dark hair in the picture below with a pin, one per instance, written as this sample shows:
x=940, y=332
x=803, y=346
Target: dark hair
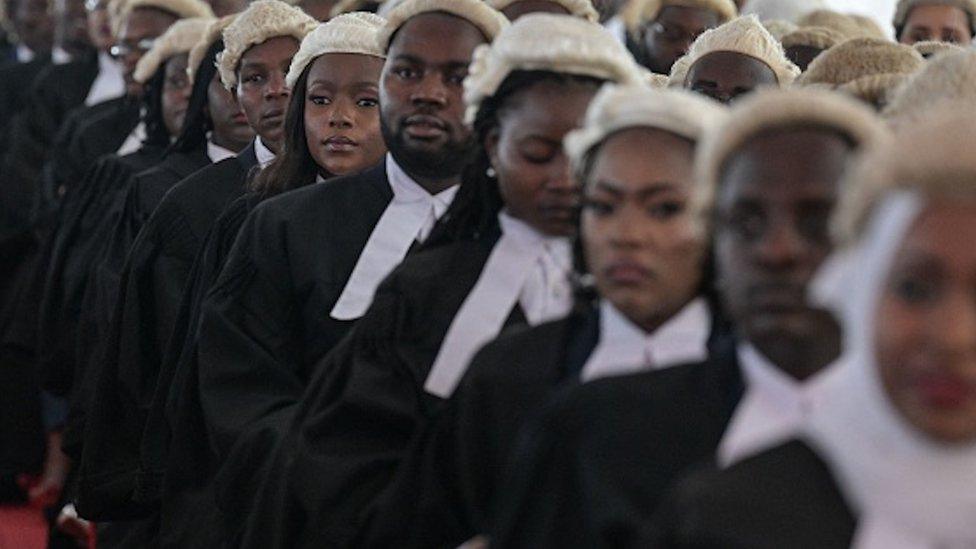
x=294, y=167
x=156, y=133
x=196, y=124
x=474, y=211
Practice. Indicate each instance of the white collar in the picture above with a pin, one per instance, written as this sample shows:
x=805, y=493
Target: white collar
x=263, y=153
x=134, y=141
x=60, y=56
x=514, y=272
x=774, y=409
x=216, y=153
x=109, y=83
x=408, y=218
x=24, y=54
x=625, y=348
x=616, y=26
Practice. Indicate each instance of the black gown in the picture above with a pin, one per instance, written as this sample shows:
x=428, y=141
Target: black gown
x=16, y=83
x=140, y=317
x=354, y=425
x=266, y=322
x=594, y=466
x=783, y=497
x=444, y=492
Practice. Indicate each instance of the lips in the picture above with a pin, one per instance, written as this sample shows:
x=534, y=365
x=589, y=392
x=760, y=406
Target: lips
x=422, y=126
x=782, y=298
x=340, y=144
x=943, y=390
x=276, y=115
x=626, y=272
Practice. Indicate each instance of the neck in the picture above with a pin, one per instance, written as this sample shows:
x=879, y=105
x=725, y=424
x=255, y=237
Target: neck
x=436, y=185
x=228, y=143
x=800, y=360
x=273, y=146
x=653, y=323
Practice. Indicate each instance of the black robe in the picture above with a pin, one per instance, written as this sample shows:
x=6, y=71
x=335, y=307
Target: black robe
x=783, y=497
x=141, y=320
x=355, y=424
x=444, y=492
x=16, y=83
x=594, y=466
x=266, y=322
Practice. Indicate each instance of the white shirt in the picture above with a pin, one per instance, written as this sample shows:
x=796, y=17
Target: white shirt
x=774, y=409
x=525, y=267
x=59, y=56
x=409, y=218
x=216, y=153
x=617, y=28
x=24, y=54
x=624, y=348
x=109, y=83
x=134, y=141
x=263, y=153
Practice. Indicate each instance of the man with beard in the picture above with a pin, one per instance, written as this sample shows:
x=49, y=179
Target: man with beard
x=306, y=264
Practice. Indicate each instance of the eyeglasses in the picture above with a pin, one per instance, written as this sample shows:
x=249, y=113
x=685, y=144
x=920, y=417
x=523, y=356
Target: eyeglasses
x=123, y=49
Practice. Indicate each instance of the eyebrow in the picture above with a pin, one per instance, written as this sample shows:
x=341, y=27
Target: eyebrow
x=449, y=65
x=655, y=188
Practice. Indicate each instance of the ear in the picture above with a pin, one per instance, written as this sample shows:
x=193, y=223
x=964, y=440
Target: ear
x=491, y=146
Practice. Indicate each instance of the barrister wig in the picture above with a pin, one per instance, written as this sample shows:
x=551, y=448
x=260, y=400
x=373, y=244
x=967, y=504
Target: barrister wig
x=487, y=19
x=347, y=33
x=179, y=38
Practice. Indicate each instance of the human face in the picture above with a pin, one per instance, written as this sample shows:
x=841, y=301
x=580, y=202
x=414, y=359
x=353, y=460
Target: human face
x=526, y=152
x=639, y=238
x=99, y=27
x=222, y=8
x=140, y=28
x=725, y=76
x=72, y=25
x=320, y=10
x=938, y=22
x=607, y=8
x=925, y=334
x=34, y=27
x=772, y=209
x=342, y=114
x=525, y=7
x=668, y=37
x=802, y=56
x=176, y=94
x=421, y=98
x=261, y=89
x=230, y=128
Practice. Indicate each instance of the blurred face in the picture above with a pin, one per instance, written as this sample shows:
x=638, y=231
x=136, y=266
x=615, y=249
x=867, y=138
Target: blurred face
x=223, y=8
x=937, y=22
x=771, y=215
x=925, y=335
x=526, y=151
x=33, y=24
x=176, y=94
x=230, y=127
x=72, y=21
x=802, y=56
x=321, y=10
x=668, y=37
x=725, y=76
x=608, y=8
x=342, y=113
x=140, y=28
x=261, y=89
x=421, y=96
x=639, y=237
x=518, y=9
x=99, y=27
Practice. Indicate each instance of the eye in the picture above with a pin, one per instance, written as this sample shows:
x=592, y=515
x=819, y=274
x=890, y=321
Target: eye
x=367, y=102
x=599, y=208
x=253, y=78
x=915, y=290
x=319, y=100
x=457, y=78
x=666, y=209
x=747, y=225
x=406, y=73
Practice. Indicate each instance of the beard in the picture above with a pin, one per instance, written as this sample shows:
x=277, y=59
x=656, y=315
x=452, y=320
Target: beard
x=443, y=162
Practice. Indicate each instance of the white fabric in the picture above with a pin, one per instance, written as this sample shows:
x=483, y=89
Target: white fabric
x=900, y=483
x=774, y=409
x=109, y=84
x=134, y=141
x=524, y=267
x=263, y=153
x=617, y=28
x=624, y=348
x=59, y=56
x=409, y=218
x=216, y=153
x=24, y=54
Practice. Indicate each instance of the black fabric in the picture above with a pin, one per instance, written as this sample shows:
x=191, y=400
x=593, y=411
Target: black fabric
x=591, y=470
x=141, y=318
x=784, y=497
x=266, y=323
x=16, y=83
x=366, y=403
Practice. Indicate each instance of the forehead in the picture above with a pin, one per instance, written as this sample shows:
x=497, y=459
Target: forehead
x=532, y=109
x=523, y=7
x=643, y=151
x=345, y=67
x=687, y=16
x=270, y=52
x=790, y=164
x=436, y=38
x=731, y=67
x=944, y=229
x=937, y=15
x=145, y=21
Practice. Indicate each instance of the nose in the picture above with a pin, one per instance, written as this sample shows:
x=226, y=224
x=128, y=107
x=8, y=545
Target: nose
x=780, y=247
x=955, y=326
x=560, y=177
x=341, y=115
x=276, y=86
x=622, y=228
x=431, y=90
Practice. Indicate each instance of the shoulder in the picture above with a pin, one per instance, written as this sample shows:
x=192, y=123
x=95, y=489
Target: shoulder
x=502, y=358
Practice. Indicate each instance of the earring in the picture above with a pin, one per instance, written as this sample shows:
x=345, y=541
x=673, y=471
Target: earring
x=491, y=173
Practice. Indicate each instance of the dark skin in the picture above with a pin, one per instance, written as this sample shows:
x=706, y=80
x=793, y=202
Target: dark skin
x=140, y=26
x=525, y=7
x=421, y=102
x=261, y=89
x=668, y=37
x=937, y=22
x=227, y=7
x=772, y=212
x=526, y=151
x=229, y=126
x=72, y=26
x=925, y=333
x=33, y=25
x=176, y=94
x=321, y=10
x=99, y=26
x=725, y=76
x=608, y=8
x=802, y=56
